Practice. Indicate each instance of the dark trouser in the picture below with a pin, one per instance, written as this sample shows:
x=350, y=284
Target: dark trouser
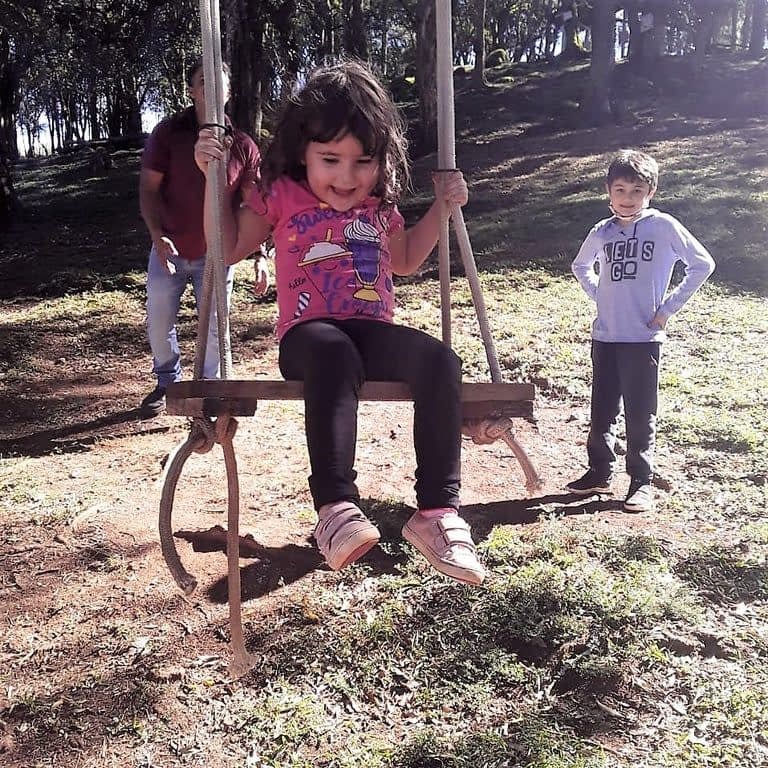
x=628, y=372
x=333, y=358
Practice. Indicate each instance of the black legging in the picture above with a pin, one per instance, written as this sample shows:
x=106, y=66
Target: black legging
x=333, y=358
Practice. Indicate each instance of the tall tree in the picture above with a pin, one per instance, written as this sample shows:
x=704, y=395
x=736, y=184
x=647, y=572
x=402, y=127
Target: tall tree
x=355, y=38
x=596, y=102
x=426, y=75
x=757, y=38
x=478, y=76
x=9, y=93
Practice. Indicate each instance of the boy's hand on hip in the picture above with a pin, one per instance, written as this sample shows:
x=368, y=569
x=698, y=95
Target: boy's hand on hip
x=659, y=321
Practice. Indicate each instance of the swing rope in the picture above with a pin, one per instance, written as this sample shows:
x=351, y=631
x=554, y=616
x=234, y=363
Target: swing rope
x=241, y=661
x=485, y=430
x=204, y=432
x=215, y=269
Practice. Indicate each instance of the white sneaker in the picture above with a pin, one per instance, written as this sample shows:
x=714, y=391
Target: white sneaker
x=344, y=534
x=639, y=497
x=447, y=543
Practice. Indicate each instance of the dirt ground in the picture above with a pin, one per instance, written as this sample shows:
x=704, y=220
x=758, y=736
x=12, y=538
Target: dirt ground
x=95, y=573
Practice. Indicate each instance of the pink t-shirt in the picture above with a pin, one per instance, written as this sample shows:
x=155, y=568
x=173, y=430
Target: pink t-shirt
x=328, y=264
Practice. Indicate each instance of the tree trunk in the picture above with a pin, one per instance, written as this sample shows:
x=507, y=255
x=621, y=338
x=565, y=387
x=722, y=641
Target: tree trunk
x=635, y=53
x=384, y=37
x=550, y=34
x=426, y=76
x=478, y=76
x=757, y=39
x=93, y=115
x=702, y=38
x=8, y=203
x=747, y=25
x=596, y=103
x=355, y=38
x=654, y=40
x=132, y=115
x=571, y=49
x=245, y=39
x=328, y=37
x=9, y=96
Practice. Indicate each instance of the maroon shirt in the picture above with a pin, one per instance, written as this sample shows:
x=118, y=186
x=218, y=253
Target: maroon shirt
x=170, y=150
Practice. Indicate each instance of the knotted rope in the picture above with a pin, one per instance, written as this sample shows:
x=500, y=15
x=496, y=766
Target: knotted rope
x=204, y=433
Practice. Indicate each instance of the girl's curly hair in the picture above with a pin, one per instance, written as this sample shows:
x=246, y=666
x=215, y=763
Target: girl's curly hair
x=336, y=100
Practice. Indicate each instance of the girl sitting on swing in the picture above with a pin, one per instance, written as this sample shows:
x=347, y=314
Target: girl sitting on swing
x=330, y=182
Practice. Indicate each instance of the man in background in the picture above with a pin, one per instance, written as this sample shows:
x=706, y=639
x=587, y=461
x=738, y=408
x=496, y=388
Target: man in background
x=171, y=196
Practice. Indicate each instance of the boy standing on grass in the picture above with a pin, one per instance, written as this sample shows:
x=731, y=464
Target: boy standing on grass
x=625, y=265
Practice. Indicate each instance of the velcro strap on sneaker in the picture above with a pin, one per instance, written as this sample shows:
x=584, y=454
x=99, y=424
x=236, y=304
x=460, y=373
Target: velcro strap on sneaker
x=333, y=523
x=456, y=533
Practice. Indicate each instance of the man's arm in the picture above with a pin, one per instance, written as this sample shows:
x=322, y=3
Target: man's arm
x=151, y=206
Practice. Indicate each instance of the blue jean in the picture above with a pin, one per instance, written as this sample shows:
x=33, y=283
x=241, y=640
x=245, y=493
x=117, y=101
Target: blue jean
x=164, y=293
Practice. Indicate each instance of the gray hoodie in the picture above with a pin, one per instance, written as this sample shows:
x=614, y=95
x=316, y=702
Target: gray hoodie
x=626, y=268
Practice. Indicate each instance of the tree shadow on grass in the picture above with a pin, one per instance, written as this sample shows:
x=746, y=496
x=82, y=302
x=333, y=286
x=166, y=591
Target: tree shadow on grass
x=724, y=575
x=484, y=517
x=74, y=438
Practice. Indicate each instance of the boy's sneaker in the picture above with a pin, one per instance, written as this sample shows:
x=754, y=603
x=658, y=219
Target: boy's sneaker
x=590, y=482
x=344, y=534
x=639, y=497
x=445, y=541
x=154, y=403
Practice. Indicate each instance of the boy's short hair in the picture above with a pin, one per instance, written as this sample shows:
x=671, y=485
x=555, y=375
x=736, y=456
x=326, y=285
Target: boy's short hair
x=198, y=64
x=633, y=164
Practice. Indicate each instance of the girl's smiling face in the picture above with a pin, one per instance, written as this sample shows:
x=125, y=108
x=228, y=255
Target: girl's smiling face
x=340, y=173
x=628, y=197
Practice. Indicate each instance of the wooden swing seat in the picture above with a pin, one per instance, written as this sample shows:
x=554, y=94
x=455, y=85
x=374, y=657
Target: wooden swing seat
x=209, y=397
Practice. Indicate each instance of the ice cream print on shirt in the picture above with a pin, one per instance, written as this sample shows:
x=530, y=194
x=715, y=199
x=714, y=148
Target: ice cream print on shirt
x=345, y=272
x=329, y=264
x=624, y=256
x=364, y=243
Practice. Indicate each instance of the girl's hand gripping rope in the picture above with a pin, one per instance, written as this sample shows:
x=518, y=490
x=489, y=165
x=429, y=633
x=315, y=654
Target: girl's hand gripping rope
x=210, y=147
x=450, y=187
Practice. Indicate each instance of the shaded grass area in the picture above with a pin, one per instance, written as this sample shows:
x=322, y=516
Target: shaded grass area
x=77, y=232
x=582, y=651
